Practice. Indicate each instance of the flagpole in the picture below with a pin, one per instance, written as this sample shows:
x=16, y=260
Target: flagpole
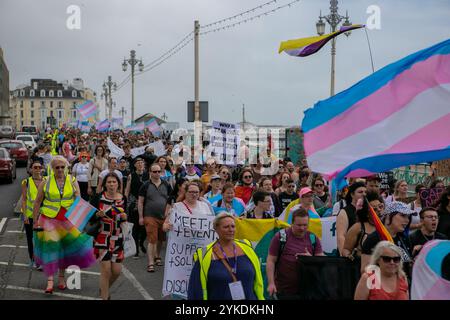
x=370, y=50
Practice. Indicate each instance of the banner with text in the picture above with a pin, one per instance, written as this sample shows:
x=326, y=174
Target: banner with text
x=189, y=233
x=224, y=142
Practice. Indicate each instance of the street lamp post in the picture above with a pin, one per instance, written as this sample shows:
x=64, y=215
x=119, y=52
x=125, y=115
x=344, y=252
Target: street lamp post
x=108, y=87
x=132, y=62
x=333, y=19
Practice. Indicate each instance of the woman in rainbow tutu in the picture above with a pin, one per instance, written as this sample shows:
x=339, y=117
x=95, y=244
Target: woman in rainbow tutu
x=57, y=243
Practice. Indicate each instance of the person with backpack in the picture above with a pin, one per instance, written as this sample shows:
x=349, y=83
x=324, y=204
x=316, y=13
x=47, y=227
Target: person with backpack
x=286, y=246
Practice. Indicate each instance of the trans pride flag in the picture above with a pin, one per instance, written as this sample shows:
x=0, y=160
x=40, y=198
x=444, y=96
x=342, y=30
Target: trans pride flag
x=306, y=46
x=103, y=126
x=79, y=213
x=397, y=116
x=153, y=126
x=87, y=109
x=139, y=127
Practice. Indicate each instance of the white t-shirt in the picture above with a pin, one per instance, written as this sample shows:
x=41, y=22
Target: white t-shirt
x=202, y=208
x=81, y=171
x=104, y=173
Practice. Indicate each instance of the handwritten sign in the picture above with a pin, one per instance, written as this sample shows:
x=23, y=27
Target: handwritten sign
x=225, y=141
x=189, y=233
x=428, y=197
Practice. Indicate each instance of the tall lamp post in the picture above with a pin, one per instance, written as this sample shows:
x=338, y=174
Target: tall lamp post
x=108, y=87
x=333, y=19
x=132, y=62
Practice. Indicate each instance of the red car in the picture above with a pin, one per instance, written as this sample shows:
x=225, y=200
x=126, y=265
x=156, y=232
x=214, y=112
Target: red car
x=17, y=150
x=7, y=166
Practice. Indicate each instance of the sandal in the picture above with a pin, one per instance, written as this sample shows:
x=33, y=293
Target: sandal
x=49, y=289
x=151, y=268
x=158, y=262
x=61, y=286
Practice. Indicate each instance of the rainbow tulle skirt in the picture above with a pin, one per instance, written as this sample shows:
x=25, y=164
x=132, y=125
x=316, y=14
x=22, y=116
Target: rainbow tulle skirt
x=61, y=245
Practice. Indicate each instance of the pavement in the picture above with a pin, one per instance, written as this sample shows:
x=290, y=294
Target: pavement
x=18, y=281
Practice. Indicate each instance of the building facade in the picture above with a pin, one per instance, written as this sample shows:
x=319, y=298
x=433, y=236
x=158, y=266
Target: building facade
x=46, y=102
x=5, y=117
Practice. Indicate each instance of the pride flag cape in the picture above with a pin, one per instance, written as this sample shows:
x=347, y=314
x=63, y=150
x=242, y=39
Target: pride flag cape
x=238, y=206
x=428, y=282
x=260, y=232
x=79, y=213
x=306, y=46
x=87, y=109
x=315, y=225
x=379, y=226
x=397, y=116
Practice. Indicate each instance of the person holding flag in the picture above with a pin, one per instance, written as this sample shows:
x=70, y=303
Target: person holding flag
x=58, y=244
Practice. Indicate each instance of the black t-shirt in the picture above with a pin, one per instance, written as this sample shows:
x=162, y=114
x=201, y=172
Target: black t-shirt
x=285, y=199
x=399, y=240
x=418, y=238
x=444, y=222
x=129, y=160
x=137, y=180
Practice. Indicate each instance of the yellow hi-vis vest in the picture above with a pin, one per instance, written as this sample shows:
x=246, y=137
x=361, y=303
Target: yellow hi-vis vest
x=205, y=263
x=52, y=199
x=31, y=196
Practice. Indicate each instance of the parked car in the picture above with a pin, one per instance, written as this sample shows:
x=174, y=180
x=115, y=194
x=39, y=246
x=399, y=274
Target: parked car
x=31, y=130
x=6, y=132
x=17, y=150
x=7, y=166
x=28, y=140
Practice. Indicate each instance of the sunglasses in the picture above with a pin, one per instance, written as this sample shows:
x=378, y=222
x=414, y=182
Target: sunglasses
x=156, y=171
x=387, y=259
x=37, y=167
x=62, y=167
x=193, y=192
x=318, y=185
x=248, y=177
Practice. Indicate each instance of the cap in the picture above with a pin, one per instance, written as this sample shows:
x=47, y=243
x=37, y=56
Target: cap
x=304, y=191
x=397, y=207
x=215, y=177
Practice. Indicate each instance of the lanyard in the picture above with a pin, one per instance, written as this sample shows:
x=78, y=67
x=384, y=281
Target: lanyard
x=187, y=207
x=234, y=269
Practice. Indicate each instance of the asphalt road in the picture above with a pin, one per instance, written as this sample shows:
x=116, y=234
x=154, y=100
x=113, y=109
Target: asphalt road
x=20, y=282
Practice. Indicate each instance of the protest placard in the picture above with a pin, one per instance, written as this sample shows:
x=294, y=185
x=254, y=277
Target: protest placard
x=225, y=142
x=428, y=197
x=189, y=233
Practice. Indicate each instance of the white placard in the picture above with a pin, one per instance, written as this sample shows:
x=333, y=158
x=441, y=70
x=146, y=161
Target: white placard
x=225, y=142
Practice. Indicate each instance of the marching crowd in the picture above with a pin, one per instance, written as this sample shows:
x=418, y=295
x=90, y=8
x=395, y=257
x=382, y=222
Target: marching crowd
x=146, y=189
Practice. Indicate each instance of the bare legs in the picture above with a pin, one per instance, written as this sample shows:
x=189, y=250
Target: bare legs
x=109, y=272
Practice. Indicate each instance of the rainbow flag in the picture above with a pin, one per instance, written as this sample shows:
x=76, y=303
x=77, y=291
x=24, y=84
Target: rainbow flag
x=397, y=116
x=102, y=126
x=153, y=126
x=79, y=213
x=87, y=109
x=306, y=46
x=379, y=226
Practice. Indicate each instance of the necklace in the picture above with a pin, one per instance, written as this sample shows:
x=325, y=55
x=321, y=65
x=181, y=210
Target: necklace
x=426, y=238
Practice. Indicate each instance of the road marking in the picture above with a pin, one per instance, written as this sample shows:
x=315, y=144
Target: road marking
x=12, y=246
x=15, y=264
x=14, y=219
x=2, y=224
x=136, y=283
x=65, y=295
x=15, y=231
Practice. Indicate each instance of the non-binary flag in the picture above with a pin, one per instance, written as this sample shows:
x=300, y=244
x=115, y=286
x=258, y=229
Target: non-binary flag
x=103, y=126
x=79, y=213
x=306, y=46
x=153, y=126
x=397, y=116
x=87, y=109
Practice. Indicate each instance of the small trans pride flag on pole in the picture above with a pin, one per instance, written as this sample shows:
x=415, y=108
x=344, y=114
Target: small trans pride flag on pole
x=153, y=126
x=103, y=126
x=79, y=213
x=87, y=109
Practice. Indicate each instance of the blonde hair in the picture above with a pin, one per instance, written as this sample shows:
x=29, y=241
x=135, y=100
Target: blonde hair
x=397, y=185
x=220, y=217
x=58, y=159
x=377, y=252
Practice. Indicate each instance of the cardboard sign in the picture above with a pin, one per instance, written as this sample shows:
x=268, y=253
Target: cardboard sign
x=429, y=197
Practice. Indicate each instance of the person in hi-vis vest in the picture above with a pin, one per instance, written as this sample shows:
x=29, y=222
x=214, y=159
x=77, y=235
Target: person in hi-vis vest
x=29, y=192
x=57, y=243
x=227, y=269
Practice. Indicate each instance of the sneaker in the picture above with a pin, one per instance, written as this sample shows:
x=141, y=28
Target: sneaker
x=136, y=256
x=38, y=267
x=32, y=264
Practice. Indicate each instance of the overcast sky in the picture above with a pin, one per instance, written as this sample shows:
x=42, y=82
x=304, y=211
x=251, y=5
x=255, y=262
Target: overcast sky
x=238, y=66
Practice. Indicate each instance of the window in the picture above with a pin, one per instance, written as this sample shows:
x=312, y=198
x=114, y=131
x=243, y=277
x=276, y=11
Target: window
x=43, y=115
x=51, y=113
x=74, y=114
x=60, y=114
x=21, y=113
x=42, y=93
x=35, y=85
x=42, y=104
x=74, y=93
x=16, y=93
x=59, y=104
x=32, y=122
x=32, y=113
x=59, y=93
x=21, y=123
x=51, y=93
x=22, y=93
x=74, y=104
x=51, y=104
x=21, y=103
x=31, y=93
x=32, y=104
